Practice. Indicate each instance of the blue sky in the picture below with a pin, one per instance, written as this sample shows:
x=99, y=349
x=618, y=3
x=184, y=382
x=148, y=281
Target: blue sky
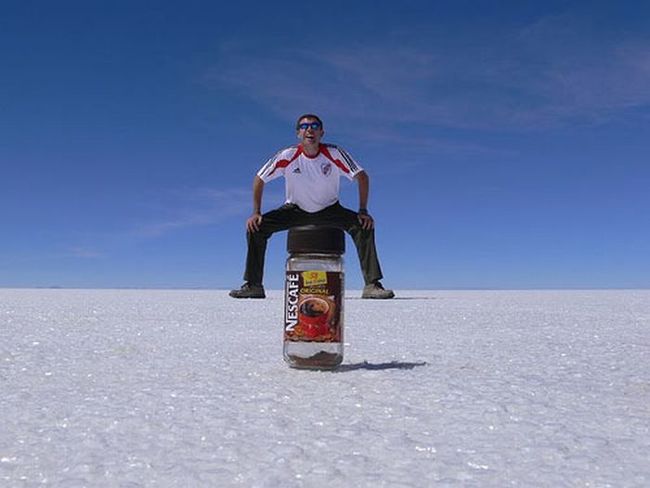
x=507, y=142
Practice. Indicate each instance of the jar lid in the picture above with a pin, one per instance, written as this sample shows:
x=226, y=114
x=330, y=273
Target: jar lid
x=315, y=239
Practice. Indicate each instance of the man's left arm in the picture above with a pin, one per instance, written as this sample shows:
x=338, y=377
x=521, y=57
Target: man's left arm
x=365, y=219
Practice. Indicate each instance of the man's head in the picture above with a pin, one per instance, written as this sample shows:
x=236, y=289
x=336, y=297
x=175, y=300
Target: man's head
x=309, y=129
x=310, y=118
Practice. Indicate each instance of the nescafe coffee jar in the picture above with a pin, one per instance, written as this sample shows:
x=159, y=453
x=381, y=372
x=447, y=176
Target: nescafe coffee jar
x=313, y=305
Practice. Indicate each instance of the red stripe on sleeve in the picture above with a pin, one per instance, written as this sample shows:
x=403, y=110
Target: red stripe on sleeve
x=283, y=163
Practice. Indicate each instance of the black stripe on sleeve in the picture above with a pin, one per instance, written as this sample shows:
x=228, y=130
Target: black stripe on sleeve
x=269, y=165
x=348, y=159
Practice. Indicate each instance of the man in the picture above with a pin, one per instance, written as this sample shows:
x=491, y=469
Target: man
x=311, y=170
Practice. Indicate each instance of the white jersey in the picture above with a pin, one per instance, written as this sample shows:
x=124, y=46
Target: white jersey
x=311, y=183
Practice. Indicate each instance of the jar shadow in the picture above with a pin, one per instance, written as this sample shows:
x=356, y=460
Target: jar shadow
x=344, y=368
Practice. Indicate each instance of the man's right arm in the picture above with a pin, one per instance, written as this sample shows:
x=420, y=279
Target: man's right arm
x=254, y=221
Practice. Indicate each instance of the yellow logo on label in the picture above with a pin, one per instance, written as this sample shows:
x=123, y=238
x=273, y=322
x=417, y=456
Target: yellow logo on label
x=312, y=278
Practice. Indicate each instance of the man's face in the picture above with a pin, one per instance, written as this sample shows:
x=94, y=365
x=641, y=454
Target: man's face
x=310, y=131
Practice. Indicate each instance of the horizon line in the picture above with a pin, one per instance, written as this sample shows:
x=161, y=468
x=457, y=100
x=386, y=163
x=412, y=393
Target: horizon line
x=207, y=288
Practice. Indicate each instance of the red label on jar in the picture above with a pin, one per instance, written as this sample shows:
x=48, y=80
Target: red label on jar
x=313, y=306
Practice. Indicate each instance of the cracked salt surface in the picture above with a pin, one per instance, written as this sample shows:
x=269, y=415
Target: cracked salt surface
x=446, y=388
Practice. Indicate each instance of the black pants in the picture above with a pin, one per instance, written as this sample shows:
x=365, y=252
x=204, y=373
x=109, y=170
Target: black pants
x=290, y=215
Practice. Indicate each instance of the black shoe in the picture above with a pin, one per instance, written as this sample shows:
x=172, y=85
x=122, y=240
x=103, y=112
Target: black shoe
x=376, y=290
x=248, y=290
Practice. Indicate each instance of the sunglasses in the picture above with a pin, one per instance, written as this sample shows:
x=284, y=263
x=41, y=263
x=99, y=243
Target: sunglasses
x=307, y=125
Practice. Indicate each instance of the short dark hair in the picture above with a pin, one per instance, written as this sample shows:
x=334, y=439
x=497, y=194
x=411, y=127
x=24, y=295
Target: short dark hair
x=308, y=116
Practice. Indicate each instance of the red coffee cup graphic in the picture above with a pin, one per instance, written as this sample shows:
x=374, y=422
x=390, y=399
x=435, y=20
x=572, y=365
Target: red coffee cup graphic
x=313, y=316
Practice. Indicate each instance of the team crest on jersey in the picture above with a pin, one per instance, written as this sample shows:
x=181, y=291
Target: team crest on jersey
x=326, y=168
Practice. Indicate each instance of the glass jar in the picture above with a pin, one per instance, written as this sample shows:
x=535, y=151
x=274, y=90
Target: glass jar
x=314, y=291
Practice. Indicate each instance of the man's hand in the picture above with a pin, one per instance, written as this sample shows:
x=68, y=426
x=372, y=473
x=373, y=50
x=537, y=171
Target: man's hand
x=253, y=222
x=366, y=221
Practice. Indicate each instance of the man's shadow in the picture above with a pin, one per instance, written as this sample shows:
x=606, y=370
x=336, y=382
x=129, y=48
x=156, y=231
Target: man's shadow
x=344, y=368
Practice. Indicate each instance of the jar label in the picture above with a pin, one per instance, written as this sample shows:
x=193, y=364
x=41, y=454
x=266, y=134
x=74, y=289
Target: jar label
x=313, y=306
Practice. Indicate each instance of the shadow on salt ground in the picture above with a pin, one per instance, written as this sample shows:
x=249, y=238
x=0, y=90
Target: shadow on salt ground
x=395, y=298
x=378, y=366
